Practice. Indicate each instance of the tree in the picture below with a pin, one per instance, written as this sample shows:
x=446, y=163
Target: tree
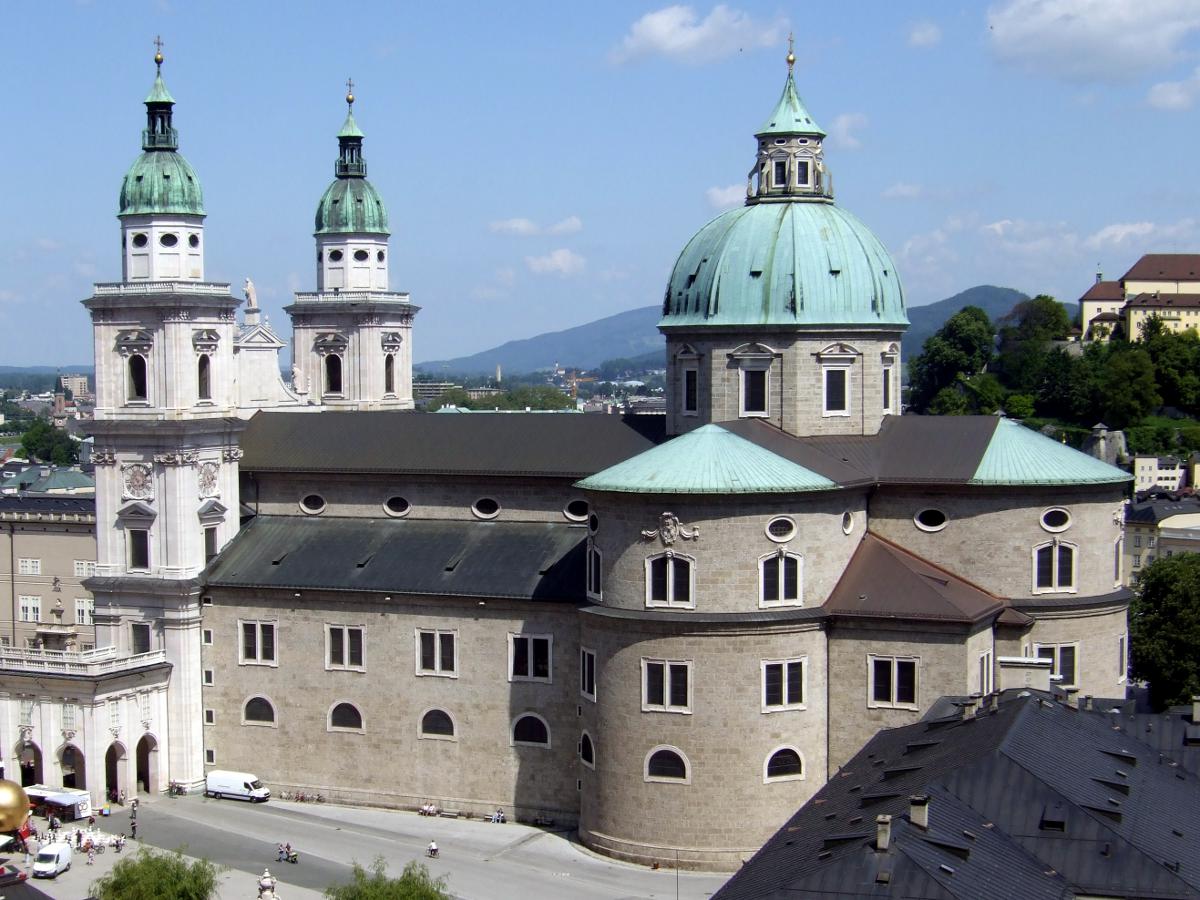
x=414, y=883
x=151, y=875
x=961, y=347
x=1025, y=335
x=45, y=443
x=1127, y=387
x=1164, y=628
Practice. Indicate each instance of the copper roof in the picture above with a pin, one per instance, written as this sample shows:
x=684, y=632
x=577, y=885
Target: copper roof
x=1165, y=267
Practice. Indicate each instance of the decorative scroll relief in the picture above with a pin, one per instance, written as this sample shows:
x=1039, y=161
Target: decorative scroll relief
x=391, y=341
x=137, y=482
x=669, y=530
x=206, y=479
x=177, y=458
x=232, y=455
x=105, y=457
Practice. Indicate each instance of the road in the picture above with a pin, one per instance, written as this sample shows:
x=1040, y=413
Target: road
x=480, y=860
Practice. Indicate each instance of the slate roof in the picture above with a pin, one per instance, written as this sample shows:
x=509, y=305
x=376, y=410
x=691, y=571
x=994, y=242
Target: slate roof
x=1151, y=512
x=514, y=560
x=1175, y=732
x=53, y=505
x=1029, y=798
x=1104, y=290
x=1165, y=301
x=1165, y=267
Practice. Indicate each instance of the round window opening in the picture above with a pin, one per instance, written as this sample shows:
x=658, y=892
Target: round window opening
x=1056, y=520
x=361, y=255
x=312, y=503
x=931, y=519
x=486, y=508
x=847, y=522
x=397, y=506
x=593, y=523
x=781, y=529
x=168, y=240
x=193, y=240
x=577, y=510
x=335, y=255
x=379, y=256
x=140, y=240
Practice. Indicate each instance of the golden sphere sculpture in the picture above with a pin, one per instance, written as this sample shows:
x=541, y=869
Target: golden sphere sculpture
x=14, y=806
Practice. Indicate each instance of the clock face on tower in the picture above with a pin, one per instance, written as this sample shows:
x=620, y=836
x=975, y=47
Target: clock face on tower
x=207, y=479
x=138, y=484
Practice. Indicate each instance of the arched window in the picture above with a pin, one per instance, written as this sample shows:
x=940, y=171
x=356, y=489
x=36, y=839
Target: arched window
x=333, y=374
x=780, y=579
x=669, y=580
x=587, y=751
x=531, y=729
x=259, y=709
x=347, y=716
x=1053, y=567
x=389, y=373
x=784, y=764
x=437, y=723
x=666, y=764
x=137, y=377
x=203, y=383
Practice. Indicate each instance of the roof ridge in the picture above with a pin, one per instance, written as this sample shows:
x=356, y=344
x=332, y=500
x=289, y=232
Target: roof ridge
x=906, y=552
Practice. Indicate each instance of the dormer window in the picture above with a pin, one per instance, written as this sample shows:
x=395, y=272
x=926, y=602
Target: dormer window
x=836, y=361
x=780, y=179
x=803, y=167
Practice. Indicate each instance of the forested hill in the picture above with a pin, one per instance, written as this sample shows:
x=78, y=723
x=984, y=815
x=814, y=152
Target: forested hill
x=997, y=302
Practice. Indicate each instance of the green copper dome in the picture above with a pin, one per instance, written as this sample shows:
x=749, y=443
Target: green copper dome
x=351, y=205
x=161, y=181
x=800, y=263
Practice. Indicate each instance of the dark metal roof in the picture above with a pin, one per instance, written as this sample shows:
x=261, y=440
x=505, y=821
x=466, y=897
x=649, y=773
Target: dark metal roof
x=44, y=505
x=1165, y=267
x=1162, y=301
x=1172, y=733
x=521, y=560
x=1151, y=512
x=1028, y=780
x=568, y=446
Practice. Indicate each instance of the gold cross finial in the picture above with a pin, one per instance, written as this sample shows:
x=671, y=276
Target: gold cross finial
x=350, y=91
x=791, y=57
x=158, y=45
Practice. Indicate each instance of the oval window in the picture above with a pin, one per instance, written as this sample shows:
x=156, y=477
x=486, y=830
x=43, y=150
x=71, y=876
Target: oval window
x=379, y=256
x=140, y=240
x=486, y=508
x=593, y=523
x=361, y=255
x=335, y=255
x=847, y=522
x=312, y=503
x=168, y=240
x=1056, y=520
x=397, y=506
x=931, y=519
x=576, y=510
x=781, y=529
x=193, y=240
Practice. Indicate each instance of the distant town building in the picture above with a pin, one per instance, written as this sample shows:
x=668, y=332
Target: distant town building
x=425, y=392
x=1161, y=525
x=1165, y=285
x=77, y=385
x=1166, y=472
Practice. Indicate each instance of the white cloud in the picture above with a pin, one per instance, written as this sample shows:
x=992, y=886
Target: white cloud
x=529, y=228
x=726, y=197
x=677, y=33
x=903, y=190
x=924, y=34
x=557, y=262
x=1092, y=40
x=1175, y=95
x=844, y=126
x=569, y=225
x=1145, y=237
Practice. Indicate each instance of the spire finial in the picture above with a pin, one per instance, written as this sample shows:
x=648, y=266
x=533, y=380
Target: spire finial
x=791, y=57
x=158, y=57
x=350, y=92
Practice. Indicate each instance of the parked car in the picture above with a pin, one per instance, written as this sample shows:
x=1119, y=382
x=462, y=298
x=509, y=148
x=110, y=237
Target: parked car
x=11, y=875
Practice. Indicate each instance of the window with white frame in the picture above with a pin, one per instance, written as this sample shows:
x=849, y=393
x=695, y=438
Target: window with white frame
x=755, y=388
x=114, y=714
x=70, y=714
x=691, y=391
x=595, y=585
x=31, y=608
x=26, y=712
x=667, y=764
x=207, y=677
x=1150, y=542
x=667, y=685
x=1064, y=661
x=779, y=579
x=986, y=673
x=84, y=568
x=139, y=637
x=784, y=764
x=783, y=683
x=210, y=717
x=344, y=647
x=1053, y=567
x=803, y=176
x=835, y=391
x=530, y=657
x=27, y=566
x=138, y=546
x=437, y=652
x=144, y=705
x=587, y=674
x=210, y=757
x=258, y=644
x=779, y=174
x=1137, y=540
x=1122, y=657
x=670, y=580
x=85, y=610
x=892, y=681
x=1137, y=560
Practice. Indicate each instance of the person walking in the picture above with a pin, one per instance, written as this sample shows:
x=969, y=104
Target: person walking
x=91, y=855
x=133, y=830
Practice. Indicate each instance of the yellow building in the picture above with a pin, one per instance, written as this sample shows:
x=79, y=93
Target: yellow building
x=1165, y=285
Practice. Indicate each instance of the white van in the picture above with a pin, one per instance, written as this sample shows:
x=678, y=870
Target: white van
x=51, y=860
x=241, y=785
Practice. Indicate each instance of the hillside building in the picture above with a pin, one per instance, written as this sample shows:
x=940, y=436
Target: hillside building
x=1162, y=285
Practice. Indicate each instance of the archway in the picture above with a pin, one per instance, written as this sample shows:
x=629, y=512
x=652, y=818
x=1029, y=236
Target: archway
x=147, y=765
x=114, y=769
x=29, y=759
x=74, y=771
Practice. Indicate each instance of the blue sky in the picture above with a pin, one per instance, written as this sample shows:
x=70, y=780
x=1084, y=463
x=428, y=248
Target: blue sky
x=544, y=162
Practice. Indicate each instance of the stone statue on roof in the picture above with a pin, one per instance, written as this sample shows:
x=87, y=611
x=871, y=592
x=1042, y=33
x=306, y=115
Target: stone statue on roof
x=251, y=296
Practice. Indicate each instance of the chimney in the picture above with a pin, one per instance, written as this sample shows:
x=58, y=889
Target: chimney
x=1196, y=709
x=1072, y=697
x=1085, y=702
x=883, y=833
x=918, y=810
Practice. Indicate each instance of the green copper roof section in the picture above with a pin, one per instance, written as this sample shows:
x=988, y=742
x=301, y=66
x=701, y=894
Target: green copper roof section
x=1018, y=455
x=158, y=92
x=161, y=181
x=351, y=206
x=350, y=127
x=802, y=263
x=789, y=115
x=708, y=460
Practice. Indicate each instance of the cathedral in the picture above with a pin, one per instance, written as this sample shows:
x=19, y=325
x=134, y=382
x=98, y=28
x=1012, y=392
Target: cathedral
x=666, y=632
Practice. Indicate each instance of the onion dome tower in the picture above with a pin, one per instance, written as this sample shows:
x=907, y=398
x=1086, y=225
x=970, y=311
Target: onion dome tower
x=788, y=308
x=351, y=338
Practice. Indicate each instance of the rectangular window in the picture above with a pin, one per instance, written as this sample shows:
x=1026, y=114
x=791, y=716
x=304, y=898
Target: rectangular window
x=258, y=644
x=837, y=392
x=210, y=543
x=887, y=389
x=587, y=674
x=1122, y=657
x=802, y=170
x=669, y=581
x=31, y=608
x=210, y=717
x=1054, y=567
x=893, y=681
x=84, y=568
x=529, y=657
x=69, y=715
x=1063, y=661
x=85, y=610
x=114, y=715
x=666, y=685
x=780, y=173
x=985, y=673
x=345, y=645
x=1137, y=560
x=780, y=580
x=1137, y=540
x=691, y=391
x=144, y=705
x=208, y=677
x=594, y=584
x=26, y=712
x=29, y=567
x=206, y=636
x=1150, y=542
x=140, y=637
x=783, y=684
x=437, y=652
x=139, y=547
x=210, y=757
x=754, y=392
